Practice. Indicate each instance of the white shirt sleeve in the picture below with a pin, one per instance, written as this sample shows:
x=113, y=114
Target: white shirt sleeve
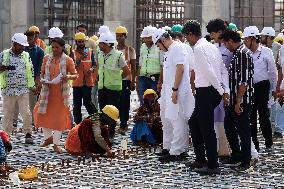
x=179, y=56
x=205, y=64
x=272, y=69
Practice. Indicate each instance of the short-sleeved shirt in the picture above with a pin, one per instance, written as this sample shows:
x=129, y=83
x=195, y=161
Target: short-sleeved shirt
x=241, y=71
x=131, y=56
x=16, y=79
x=121, y=62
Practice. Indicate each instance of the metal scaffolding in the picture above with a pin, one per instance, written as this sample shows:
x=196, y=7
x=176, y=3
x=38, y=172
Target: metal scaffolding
x=67, y=14
x=158, y=13
x=252, y=12
x=279, y=14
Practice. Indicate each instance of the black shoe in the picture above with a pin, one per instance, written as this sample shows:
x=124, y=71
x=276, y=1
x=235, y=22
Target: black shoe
x=29, y=139
x=170, y=158
x=232, y=162
x=269, y=150
x=277, y=135
x=208, y=171
x=195, y=164
x=184, y=155
x=164, y=152
x=242, y=167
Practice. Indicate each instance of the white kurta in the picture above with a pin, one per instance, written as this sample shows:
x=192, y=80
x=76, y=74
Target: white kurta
x=176, y=116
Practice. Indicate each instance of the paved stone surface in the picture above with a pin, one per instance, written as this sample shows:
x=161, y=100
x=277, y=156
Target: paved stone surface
x=142, y=170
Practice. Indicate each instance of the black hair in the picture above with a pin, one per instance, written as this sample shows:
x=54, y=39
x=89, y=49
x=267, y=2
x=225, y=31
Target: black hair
x=207, y=37
x=172, y=34
x=230, y=34
x=59, y=40
x=30, y=33
x=216, y=25
x=192, y=26
x=82, y=26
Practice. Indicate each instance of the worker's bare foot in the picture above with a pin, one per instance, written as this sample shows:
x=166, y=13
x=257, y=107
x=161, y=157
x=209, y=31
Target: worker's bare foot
x=57, y=149
x=47, y=142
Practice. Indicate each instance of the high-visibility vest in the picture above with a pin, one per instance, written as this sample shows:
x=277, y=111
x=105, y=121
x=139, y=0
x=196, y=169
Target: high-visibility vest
x=150, y=64
x=109, y=71
x=28, y=65
x=85, y=65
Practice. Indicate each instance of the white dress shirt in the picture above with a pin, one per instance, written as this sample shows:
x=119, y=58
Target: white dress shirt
x=264, y=66
x=209, y=67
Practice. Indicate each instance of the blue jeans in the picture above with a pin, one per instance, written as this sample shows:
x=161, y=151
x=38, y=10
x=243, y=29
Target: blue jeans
x=279, y=127
x=144, y=84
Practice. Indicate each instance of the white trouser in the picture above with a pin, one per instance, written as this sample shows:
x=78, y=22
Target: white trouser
x=9, y=107
x=222, y=142
x=47, y=133
x=254, y=153
x=175, y=134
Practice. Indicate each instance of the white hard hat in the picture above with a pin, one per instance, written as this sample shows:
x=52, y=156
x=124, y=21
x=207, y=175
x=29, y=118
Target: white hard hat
x=103, y=29
x=251, y=31
x=167, y=28
x=55, y=32
x=157, y=34
x=268, y=31
x=107, y=38
x=147, y=31
x=21, y=39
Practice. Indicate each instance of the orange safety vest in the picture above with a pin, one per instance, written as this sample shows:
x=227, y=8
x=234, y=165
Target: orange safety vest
x=82, y=68
x=39, y=42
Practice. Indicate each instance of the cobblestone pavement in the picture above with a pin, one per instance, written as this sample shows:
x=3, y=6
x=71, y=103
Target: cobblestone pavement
x=142, y=170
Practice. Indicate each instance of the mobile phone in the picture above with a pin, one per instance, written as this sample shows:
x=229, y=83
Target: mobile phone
x=10, y=67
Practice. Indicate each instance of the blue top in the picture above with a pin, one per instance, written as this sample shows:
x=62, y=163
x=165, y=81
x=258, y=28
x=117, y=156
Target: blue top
x=36, y=55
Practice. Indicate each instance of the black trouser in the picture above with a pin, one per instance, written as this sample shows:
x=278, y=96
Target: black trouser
x=109, y=97
x=201, y=125
x=238, y=126
x=261, y=98
x=79, y=94
x=124, y=103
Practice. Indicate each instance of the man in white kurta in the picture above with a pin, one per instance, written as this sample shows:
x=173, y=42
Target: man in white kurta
x=177, y=101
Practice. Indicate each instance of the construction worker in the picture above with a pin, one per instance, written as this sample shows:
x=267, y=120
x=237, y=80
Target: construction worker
x=91, y=135
x=279, y=39
x=265, y=80
x=150, y=61
x=39, y=42
x=128, y=83
x=111, y=69
x=177, y=101
x=176, y=29
x=83, y=28
x=53, y=33
x=148, y=126
x=16, y=81
x=84, y=60
x=267, y=39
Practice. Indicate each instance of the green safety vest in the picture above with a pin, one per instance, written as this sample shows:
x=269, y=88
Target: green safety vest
x=150, y=60
x=109, y=71
x=28, y=64
x=48, y=49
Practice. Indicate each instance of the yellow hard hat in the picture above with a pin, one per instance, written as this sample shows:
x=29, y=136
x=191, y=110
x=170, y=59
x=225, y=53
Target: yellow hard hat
x=121, y=29
x=150, y=91
x=80, y=36
x=94, y=37
x=34, y=29
x=241, y=33
x=111, y=111
x=279, y=38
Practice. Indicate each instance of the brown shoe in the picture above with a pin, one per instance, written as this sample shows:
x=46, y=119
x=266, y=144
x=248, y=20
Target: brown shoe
x=57, y=149
x=47, y=142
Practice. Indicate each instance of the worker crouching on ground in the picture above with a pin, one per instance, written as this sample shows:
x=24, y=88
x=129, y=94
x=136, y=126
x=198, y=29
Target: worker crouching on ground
x=5, y=148
x=91, y=135
x=148, y=125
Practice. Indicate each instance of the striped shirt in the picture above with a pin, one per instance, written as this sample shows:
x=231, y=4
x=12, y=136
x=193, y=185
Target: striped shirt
x=241, y=71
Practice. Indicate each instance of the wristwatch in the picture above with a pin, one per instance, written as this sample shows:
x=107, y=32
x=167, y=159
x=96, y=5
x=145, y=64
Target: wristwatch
x=174, y=89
